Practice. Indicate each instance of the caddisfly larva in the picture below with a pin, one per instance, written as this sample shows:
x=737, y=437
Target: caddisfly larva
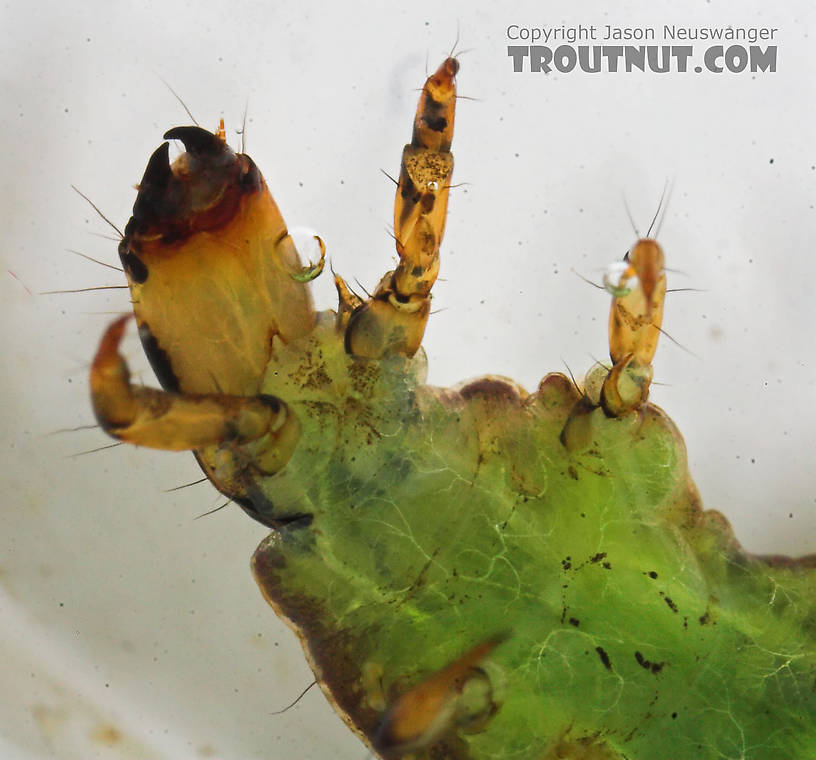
x=410, y=522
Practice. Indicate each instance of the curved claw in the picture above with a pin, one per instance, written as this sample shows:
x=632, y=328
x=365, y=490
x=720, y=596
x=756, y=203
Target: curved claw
x=201, y=191
x=179, y=421
x=312, y=271
x=197, y=140
x=157, y=173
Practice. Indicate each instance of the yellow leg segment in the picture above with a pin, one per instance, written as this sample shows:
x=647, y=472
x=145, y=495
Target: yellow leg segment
x=423, y=714
x=393, y=320
x=638, y=288
x=635, y=320
x=178, y=421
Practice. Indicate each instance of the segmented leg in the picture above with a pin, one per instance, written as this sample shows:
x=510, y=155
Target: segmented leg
x=635, y=319
x=176, y=421
x=421, y=715
x=214, y=276
x=638, y=288
x=637, y=304
x=393, y=320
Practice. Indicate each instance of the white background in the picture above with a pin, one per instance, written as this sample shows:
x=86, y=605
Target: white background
x=127, y=629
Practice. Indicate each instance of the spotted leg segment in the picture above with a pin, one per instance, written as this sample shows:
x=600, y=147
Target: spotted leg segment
x=393, y=319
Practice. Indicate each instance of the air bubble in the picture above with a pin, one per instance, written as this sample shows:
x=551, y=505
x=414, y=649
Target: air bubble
x=305, y=240
x=615, y=280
